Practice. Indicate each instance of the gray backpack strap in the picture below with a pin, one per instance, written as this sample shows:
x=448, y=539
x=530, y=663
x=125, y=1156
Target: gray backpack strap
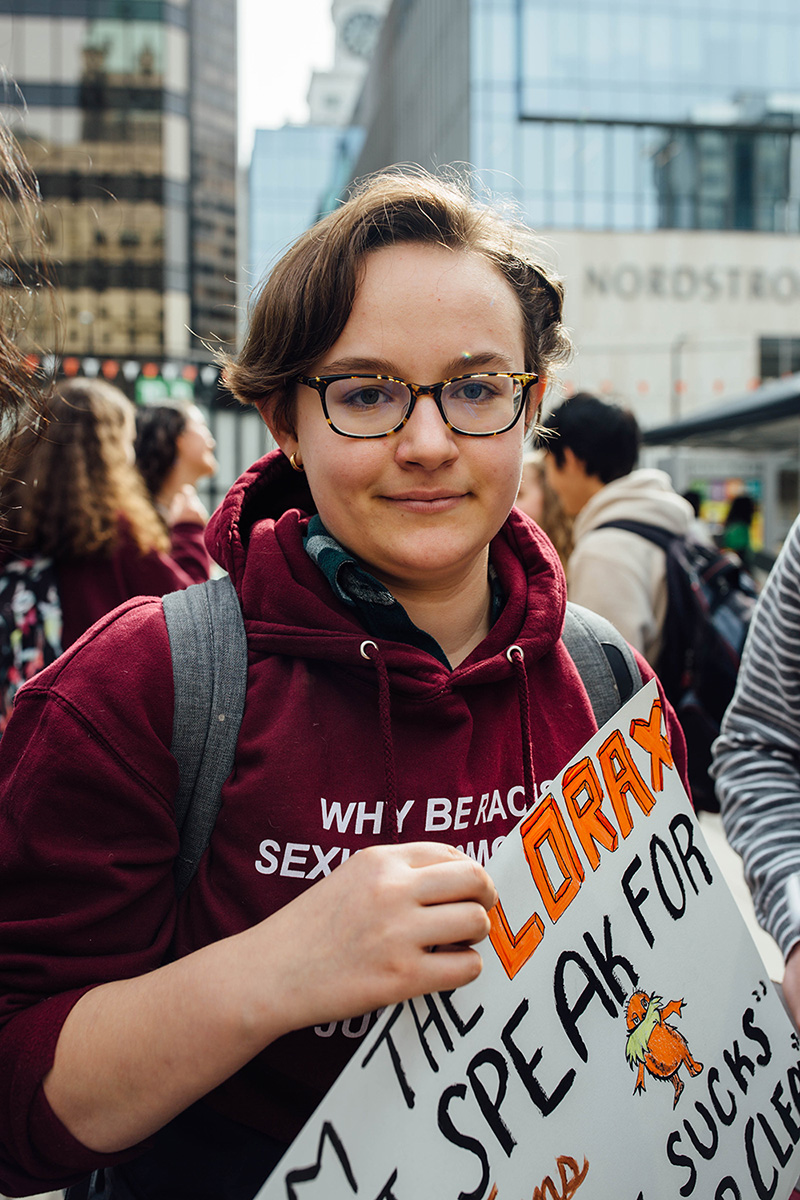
x=209, y=666
x=604, y=659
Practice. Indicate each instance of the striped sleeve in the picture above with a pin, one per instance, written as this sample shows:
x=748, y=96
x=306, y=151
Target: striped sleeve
x=757, y=756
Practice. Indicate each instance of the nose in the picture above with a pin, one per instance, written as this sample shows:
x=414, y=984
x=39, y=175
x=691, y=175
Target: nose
x=425, y=438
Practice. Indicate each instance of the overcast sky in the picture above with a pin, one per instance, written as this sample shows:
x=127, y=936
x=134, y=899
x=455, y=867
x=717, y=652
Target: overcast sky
x=280, y=43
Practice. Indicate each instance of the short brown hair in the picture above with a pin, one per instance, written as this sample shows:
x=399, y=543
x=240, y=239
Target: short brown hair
x=306, y=301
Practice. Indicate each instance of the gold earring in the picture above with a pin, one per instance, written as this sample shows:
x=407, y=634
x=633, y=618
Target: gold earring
x=296, y=466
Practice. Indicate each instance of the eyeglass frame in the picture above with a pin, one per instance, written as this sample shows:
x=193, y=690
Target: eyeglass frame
x=319, y=383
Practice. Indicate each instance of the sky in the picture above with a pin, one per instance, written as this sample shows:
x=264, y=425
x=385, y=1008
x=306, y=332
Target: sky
x=280, y=43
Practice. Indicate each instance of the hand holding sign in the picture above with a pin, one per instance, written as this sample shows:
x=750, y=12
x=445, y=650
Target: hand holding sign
x=368, y=929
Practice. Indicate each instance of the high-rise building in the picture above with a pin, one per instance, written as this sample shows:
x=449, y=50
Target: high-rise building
x=289, y=178
x=127, y=113
x=212, y=197
x=656, y=148
x=296, y=172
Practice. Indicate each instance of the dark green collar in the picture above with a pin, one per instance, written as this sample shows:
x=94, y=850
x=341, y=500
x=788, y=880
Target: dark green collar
x=379, y=612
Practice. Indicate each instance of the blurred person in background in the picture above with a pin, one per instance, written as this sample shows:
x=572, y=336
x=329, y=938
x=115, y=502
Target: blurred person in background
x=174, y=449
x=592, y=452
x=538, y=500
x=699, y=528
x=77, y=499
x=737, y=528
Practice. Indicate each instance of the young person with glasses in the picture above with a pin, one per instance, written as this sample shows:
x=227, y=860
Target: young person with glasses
x=407, y=687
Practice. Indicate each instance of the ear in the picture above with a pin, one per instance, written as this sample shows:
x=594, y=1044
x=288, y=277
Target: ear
x=533, y=407
x=285, y=437
x=286, y=441
x=573, y=464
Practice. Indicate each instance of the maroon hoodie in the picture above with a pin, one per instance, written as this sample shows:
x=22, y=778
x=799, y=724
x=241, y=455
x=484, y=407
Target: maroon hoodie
x=90, y=587
x=87, y=836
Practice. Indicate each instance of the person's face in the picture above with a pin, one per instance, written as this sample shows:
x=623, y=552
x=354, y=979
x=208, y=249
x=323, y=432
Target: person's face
x=420, y=506
x=195, y=445
x=569, y=481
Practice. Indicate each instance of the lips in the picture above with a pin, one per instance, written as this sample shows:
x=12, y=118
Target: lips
x=427, y=502
x=426, y=497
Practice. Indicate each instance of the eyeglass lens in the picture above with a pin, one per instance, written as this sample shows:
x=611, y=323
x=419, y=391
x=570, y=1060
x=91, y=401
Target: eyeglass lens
x=473, y=404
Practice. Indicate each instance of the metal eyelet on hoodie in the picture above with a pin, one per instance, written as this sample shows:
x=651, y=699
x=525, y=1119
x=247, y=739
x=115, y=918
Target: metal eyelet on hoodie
x=516, y=657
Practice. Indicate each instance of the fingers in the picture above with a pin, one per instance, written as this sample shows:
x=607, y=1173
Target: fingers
x=443, y=874
x=426, y=893
x=361, y=938
x=449, y=968
x=449, y=882
x=791, y=983
x=424, y=854
x=461, y=923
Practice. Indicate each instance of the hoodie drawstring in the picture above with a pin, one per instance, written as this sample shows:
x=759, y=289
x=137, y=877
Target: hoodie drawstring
x=516, y=657
x=384, y=710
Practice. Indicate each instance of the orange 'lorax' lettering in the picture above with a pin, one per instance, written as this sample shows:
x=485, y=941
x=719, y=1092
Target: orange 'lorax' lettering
x=622, y=778
x=546, y=824
x=648, y=735
x=591, y=825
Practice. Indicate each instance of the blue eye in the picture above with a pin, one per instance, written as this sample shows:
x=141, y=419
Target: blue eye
x=363, y=394
x=366, y=397
x=474, y=390
x=479, y=389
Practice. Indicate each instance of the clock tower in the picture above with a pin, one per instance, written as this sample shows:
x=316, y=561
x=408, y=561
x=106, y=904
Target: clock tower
x=332, y=94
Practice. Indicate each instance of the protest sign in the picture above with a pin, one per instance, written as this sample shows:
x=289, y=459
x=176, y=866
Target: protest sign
x=623, y=1040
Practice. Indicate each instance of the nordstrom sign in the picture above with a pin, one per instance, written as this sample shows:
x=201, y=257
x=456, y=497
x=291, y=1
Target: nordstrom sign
x=630, y=281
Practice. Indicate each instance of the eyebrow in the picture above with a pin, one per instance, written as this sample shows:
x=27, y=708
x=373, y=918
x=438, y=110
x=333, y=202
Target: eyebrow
x=462, y=364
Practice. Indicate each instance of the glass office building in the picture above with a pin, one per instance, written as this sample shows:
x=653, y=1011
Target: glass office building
x=297, y=172
x=600, y=114
x=127, y=112
x=291, y=170
x=647, y=115
x=626, y=132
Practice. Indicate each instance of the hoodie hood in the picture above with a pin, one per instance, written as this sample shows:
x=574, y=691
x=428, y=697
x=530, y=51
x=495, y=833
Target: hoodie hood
x=257, y=536
x=647, y=493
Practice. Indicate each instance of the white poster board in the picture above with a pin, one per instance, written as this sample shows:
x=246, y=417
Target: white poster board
x=623, y=1040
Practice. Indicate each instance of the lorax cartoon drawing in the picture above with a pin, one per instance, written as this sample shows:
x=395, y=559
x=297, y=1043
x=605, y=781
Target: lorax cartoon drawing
x=654, y=1044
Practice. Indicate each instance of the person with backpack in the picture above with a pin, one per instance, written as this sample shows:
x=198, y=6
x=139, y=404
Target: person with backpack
x=406, y=691
x=80, y=535
x=592, y=451
x=682, y=602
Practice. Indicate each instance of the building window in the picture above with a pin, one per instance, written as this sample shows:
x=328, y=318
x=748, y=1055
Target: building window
x=779, y=356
